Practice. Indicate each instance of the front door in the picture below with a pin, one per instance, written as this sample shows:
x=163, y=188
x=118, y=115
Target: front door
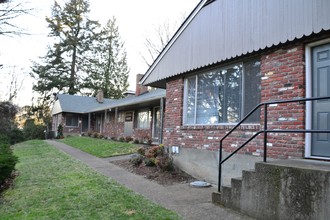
x=85, y=123
x=128, y=125
x=321, y=109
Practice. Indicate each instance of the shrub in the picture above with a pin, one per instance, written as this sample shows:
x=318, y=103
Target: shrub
x=121, y=139
x=141, y=151
x=156, y=151
x=90, y=133
x=149, y=162
x=154, y=156
x=7, y=159
x=136, y=141
x=4, y=140
x=96, y=135
x=147, y=140
x=136, y=160
x=101, y=136
x=165, y=163
x=60, y=131
x=33, y=131
x=16, y=135
x=128, y=139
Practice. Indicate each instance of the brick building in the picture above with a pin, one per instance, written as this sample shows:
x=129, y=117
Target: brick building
x=229, y=56
x=139, y=116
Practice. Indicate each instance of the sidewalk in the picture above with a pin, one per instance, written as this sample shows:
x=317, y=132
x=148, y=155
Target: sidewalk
x=189, y=202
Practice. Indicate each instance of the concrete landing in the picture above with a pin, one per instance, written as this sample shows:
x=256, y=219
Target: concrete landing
x=303, y=164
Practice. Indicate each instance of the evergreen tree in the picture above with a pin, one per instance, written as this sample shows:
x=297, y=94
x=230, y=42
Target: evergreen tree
x=108, y=69
x=73, y=34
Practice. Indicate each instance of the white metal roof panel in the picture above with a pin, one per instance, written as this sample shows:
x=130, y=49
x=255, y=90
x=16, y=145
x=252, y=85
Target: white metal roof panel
x=229, y=28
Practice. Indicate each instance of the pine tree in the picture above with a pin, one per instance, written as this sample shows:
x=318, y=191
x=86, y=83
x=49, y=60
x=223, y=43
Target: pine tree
x=62, y=67
x=108, y=70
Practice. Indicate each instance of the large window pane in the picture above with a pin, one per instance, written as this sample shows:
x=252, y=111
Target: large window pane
x=222, y=95
x=230, y=93
x=190, y=100
x=252, y=89
x=71, y=120
x=207, y=103
x=143, y=120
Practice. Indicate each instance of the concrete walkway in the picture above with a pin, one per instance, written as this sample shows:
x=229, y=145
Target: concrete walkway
x=189, y=202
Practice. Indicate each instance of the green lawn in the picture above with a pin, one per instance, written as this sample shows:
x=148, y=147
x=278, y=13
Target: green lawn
x=53, y=185
x=100, y=147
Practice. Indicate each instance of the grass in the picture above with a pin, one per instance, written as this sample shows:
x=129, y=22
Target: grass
x=53, y=185
x=100, y=147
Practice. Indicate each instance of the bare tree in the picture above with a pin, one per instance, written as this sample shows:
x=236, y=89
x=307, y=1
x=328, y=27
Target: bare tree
x=156, y=42
x=14, y=83
x=8, y=12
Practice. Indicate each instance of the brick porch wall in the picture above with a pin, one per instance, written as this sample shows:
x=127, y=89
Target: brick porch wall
x=142, y=134
x=70, y=129
x=113, y=128
x=116, y=129
x=283, y=77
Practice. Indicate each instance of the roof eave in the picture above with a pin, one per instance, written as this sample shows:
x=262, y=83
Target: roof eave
x=171, y=42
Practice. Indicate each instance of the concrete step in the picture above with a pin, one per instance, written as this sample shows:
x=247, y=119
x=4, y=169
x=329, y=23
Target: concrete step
x=230, y=195
x=283, y=189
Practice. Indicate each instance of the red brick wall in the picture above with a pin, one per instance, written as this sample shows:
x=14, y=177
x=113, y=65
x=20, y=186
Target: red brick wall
x=283, y=77
x=283, y=74
x=113, y=128
x=70, y=129
x=200, y=136
x=142, y=134
x=116, y=129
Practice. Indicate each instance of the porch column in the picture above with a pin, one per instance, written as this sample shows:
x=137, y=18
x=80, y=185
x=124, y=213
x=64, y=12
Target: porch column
x=89, y=121
x=104, y=120
x=116, y=115
x=114, y=129
x=161, y=109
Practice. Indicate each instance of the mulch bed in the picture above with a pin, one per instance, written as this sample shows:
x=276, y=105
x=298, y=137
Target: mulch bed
x=152, y=173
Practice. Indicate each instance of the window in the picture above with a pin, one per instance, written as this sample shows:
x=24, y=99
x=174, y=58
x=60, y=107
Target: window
x=71, y=120
x=121, y=116
x=143, y=119
x=223, y=95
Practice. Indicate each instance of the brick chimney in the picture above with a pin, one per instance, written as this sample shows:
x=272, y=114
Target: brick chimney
x=100, y=96
x=140, y=89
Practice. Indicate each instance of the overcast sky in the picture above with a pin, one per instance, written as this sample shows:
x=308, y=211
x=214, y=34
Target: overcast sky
x=136, y=21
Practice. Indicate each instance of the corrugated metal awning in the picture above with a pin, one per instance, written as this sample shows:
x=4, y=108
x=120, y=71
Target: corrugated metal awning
x=225, y=29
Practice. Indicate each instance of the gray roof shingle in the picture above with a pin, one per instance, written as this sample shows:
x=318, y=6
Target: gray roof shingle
x=85, y=104
x=76, y=104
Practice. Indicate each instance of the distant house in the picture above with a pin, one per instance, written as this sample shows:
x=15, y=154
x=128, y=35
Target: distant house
x=74, y=113
x=139, y=116
x=227, y=57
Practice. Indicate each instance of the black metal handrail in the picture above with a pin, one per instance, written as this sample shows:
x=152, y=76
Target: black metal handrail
x=265, y=131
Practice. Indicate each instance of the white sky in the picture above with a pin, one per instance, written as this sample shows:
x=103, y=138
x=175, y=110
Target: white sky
x=135, y=19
